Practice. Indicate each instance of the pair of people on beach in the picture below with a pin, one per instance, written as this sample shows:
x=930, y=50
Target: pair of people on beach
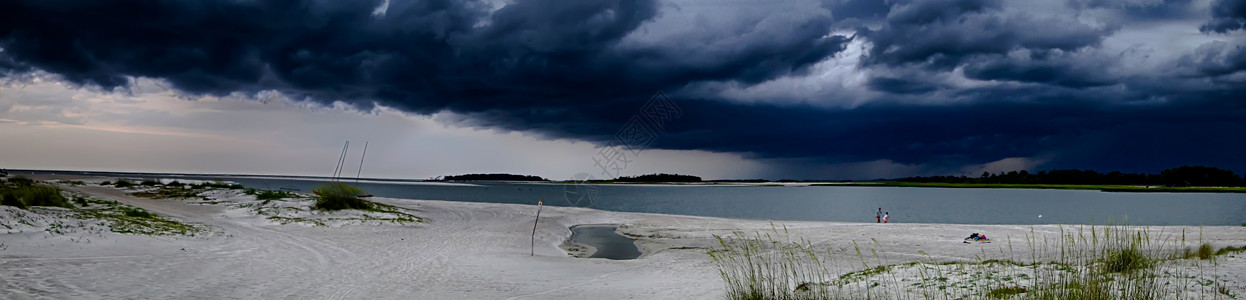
x=881, y=217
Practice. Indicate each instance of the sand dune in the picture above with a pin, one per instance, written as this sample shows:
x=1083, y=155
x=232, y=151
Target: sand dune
x=461, y=251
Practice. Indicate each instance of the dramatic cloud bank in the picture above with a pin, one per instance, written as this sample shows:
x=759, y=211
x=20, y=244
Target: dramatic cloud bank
x=944, y=84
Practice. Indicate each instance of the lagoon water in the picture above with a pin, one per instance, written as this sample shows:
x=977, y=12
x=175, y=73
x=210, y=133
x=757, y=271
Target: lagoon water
x=841, y=204
x=609, y=244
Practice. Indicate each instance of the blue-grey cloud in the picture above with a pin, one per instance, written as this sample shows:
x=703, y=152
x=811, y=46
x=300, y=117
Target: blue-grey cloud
x=1227, y=15
x=947, y=82
x=942, y=34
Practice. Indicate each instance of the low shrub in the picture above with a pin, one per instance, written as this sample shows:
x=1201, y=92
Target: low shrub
x=11, y=200
x=106, y=183
x=122, y=183
x=218, y=184
x=150, y=182
x=338, y=196
x=136, y=212
x=272, y=195
x=1230, y=249
x=42, y=196
x=1205, y=251
x=21, y=181
x=81, y=201
x=1005, y=292
x=33, y=195
x=1124, y=260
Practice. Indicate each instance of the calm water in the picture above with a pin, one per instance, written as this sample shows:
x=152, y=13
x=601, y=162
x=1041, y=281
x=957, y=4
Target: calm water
x=844, y=204
x=610, y=245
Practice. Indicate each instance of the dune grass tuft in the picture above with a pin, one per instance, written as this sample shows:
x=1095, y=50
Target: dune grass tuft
x=339, y=196
x=23, y=193
x=123, y=183
x=1005, y=292
x=1095, y=262
x=1205, y=251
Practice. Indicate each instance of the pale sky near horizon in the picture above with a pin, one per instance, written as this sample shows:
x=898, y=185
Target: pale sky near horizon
x=792, y=89
x=152, y=129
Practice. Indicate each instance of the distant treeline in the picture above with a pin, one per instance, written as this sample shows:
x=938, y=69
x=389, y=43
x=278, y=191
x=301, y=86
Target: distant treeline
x=1183, y=176
x=659, y=178
x=498, y=177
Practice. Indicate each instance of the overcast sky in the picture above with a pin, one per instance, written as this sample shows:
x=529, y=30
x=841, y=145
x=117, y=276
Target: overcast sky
x=834, y=89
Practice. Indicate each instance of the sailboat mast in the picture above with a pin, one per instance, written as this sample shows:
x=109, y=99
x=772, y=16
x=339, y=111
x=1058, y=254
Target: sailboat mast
x=361, y=157
x=340, y=159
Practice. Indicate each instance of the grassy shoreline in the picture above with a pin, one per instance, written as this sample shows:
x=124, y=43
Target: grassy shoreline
x=1103, y=188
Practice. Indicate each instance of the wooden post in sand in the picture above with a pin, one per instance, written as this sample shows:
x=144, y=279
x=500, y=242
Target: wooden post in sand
x=532, y=250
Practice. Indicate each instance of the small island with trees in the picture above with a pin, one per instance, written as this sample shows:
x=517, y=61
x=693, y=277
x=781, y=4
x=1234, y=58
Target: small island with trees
x=1181, y=179
x=493, y=177
x=654, y=178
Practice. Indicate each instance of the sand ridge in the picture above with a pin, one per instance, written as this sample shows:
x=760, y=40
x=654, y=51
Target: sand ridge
x=462, y=251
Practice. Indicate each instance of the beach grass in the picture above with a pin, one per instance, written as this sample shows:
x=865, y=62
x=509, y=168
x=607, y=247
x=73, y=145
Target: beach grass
x=1089, y=262
x=339, y=196
x=269, y=195
x=123, y=183
x=169, y=192
x=23, y=193
x=121, y=218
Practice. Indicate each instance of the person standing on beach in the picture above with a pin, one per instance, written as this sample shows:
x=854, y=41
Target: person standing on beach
x=878, y=218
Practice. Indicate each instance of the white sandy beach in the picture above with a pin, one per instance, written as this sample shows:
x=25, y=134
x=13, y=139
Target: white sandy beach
x=461, y=251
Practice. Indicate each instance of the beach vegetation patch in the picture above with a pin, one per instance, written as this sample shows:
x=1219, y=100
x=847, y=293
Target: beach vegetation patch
x=20, y=181
x=339, y=196
x=217, y=184
x=1091, y=262
x=1122, y=260
x=1230, y=249
x=123, y=183
x=269, y=195
x=136, y=212
x=1005, y=292
x=273, y=195
x=169, y=192
x=25, y=193
x=11, y=200
x=1205, y=251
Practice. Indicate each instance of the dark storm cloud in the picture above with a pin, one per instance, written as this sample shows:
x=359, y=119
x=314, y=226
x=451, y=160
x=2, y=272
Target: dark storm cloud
x=1052, y=69
x=424, y=56
x=580, y=69
x=1227, y=15
x=858, y=9
x=1217, y=59
x=1142, y=9
x=942, y=34
x=900, y=85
